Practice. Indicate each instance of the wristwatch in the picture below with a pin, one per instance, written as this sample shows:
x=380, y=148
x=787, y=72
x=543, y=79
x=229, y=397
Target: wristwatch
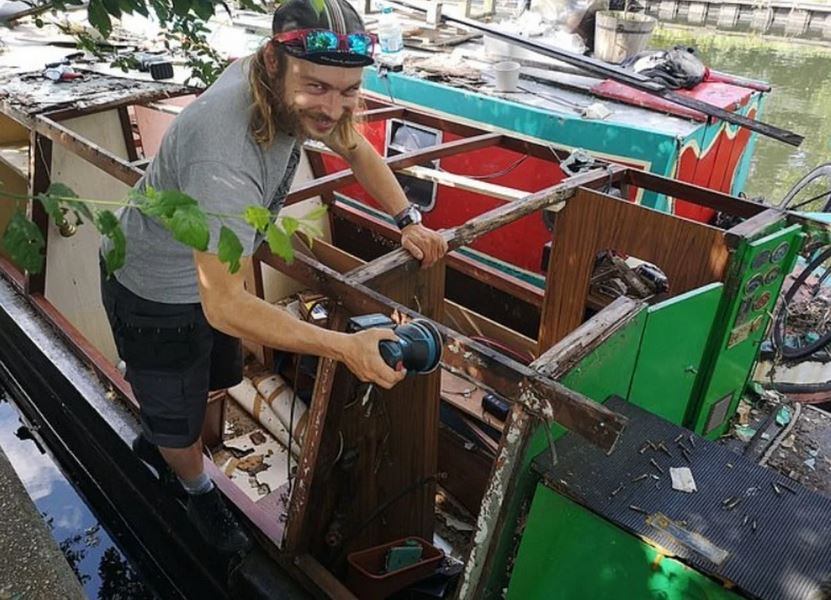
x=409, y=216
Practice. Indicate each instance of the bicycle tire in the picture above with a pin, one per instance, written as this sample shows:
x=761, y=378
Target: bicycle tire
x=779, y=321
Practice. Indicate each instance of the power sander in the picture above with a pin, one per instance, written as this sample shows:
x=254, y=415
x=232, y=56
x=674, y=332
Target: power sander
x=419, y=346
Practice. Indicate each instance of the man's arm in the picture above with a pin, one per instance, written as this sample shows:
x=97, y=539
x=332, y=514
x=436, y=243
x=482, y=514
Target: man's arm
x=231, y=309
x=378, y=179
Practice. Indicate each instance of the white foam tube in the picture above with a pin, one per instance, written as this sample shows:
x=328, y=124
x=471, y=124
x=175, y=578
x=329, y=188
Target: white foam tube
x=279, y=396
x=247, y=396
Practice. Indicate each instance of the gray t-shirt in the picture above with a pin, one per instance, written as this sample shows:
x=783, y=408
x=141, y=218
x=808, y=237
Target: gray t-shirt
x=208, y=153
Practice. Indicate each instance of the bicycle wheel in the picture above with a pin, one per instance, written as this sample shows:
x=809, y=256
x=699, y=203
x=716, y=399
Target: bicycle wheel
x=812, y=192
x=803, y=324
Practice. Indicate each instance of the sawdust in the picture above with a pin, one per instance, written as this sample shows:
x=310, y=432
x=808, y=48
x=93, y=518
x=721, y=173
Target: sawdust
x=806, y=455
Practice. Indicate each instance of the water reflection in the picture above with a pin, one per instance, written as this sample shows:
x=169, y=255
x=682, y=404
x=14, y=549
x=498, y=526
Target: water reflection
x=801, y=78
x=99, y=565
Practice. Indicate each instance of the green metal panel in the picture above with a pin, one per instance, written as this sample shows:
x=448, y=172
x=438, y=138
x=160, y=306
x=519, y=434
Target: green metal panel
x=751, y=290
x=568, y=552
x=672, y=348
x=606, y=371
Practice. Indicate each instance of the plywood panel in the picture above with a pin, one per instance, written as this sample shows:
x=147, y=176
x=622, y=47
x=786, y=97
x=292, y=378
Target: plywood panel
x=690, y=253
x=72, y=277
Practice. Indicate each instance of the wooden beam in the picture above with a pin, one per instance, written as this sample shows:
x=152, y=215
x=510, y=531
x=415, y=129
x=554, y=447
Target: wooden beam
x=469, y=359
x=491, y=276
x=487, y=222
x=380, y=114
x=40, y=169
x=105, y=160
x=127, y=130
x=694, y=194
x=755, y=226
x=148, y=97
x=332, y=182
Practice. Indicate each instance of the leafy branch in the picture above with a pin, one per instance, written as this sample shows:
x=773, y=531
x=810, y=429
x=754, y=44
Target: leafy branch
x=176, y=211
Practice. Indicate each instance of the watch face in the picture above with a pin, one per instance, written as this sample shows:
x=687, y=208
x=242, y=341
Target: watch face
x=780, y=252
x=761, y=258
x=754, y=284
x=771, y=275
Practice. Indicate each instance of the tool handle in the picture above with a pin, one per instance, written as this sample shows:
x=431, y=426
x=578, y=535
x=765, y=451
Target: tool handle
x=391, y=353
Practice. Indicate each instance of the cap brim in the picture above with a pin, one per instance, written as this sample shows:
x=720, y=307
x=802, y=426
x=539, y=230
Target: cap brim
x=335, y=59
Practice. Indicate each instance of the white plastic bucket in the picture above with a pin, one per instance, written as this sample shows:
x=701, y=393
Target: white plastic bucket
x=619, y=35
x=507, y=76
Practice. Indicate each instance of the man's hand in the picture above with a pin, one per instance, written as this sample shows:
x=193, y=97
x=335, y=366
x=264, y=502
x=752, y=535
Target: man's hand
x=363, y=358
x=424, y=244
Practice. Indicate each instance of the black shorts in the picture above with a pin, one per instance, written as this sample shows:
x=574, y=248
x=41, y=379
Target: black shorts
x=173, y=357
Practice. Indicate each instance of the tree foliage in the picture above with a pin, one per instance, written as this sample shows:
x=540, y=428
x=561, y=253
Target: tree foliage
x=176, y=211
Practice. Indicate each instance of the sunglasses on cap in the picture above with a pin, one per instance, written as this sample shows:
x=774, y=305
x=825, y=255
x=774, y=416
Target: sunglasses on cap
x=320, y=41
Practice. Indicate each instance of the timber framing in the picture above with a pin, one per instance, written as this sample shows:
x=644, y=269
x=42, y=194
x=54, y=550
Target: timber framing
x=393, y=284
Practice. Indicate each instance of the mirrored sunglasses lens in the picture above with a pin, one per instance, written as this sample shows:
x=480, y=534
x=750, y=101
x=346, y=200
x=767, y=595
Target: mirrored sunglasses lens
x=360, y=43
x=321, y=41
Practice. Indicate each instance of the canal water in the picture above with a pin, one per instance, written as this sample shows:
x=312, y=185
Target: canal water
x=800, y=74
x=98, y=563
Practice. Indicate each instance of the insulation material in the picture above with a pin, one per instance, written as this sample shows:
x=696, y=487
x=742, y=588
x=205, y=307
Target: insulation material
x=257, y=406
x=279, y=396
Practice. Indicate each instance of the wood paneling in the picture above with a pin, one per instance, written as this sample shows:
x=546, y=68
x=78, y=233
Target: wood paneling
x=691, y=254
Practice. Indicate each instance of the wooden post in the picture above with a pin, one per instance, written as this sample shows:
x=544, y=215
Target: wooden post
x=40, y=168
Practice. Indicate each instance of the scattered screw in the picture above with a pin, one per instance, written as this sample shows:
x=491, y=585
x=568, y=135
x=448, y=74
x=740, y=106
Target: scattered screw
x=727, y=500
x=729, y=465
x=754, y=525
x=652, y=445
x=678, y=438
x=733, y=503
x=615, y=491
x=638, y=509
x=640, y=477
x=656, y=465
x=745, y=520
x=655, y=477
x=692, y=441
x=683, y=447
x=686, y=455
x=776, y=488
x=787, y=487
x=663, y=449
x=643, y=448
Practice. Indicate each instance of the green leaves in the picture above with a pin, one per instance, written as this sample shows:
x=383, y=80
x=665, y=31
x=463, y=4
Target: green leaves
x=318, y=5
x=164, y=204
x=107, y=223
x=229, y=249
x=279, y=242
x=99, y=17
x=259, y=217
x=190, y=226
x=24, y=243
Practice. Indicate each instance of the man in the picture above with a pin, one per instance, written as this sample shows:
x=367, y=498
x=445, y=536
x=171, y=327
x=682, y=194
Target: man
x=176, y=313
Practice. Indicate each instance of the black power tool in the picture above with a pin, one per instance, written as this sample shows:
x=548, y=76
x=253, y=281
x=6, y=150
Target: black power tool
x=419, y=347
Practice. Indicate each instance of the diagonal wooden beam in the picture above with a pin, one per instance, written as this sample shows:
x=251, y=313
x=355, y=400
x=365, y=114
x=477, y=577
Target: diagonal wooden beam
x=380, y=114
x=332, y=182
x=471, y=360
x=91, y=152
x=493, y=219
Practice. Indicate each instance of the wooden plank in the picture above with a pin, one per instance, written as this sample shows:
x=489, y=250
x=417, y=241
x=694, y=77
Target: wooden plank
x=473, y=324
x=127, y=128
x=108, y=162
x=380, y=114
x=691, y=254
x=40, y=167
x=464, y=183
x=311, y=479
x=694, y=194
x=12, y=274
x=469, y=359
x=562, y=356
x=467, y=469
x=475, y=228
x=491, y=276
x=407, y=159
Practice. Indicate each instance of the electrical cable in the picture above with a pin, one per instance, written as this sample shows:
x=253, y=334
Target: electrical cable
x=501, y=173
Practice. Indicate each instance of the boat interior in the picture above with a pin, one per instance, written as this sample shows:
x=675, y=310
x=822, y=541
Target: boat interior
x=320, y=465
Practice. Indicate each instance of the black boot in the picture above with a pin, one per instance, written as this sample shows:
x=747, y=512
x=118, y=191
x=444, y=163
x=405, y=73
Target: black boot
x=216, y=524
x=151, y=456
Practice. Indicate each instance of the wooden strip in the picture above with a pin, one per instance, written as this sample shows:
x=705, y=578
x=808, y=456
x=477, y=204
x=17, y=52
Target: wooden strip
x=127, y=130
x=691, y=254
x=694, y=194
x=469, y=359
x=491, y=276
x=301, y=513
x=168, y=91
x=10, y=271
x=170, y=109
x=335, y=180
x=105, y=160
x=380, y=114
x=467, y=469
x=487, y=222
x=40, y=166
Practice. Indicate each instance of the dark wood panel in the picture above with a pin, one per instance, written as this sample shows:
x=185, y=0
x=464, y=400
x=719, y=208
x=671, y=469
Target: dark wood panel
x=467, y=470
x=691, y=254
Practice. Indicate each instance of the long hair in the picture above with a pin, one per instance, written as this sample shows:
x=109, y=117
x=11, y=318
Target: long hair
x=270, y=115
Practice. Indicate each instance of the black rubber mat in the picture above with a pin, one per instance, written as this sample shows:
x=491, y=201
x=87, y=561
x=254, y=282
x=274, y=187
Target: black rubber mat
x=771, y=542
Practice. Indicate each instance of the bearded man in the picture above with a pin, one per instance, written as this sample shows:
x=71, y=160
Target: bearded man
x=177, y=314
